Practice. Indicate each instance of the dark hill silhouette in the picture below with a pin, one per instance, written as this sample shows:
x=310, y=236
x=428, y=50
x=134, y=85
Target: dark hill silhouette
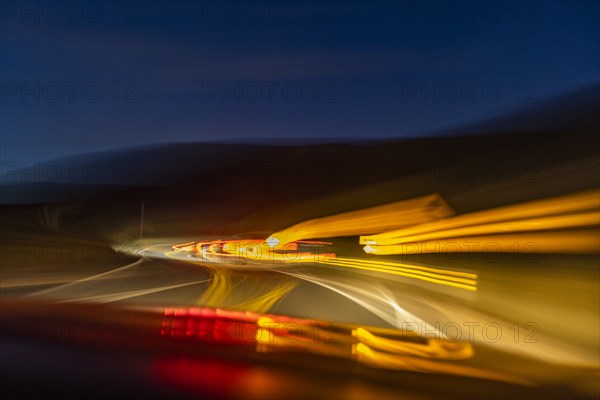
x=197, y=186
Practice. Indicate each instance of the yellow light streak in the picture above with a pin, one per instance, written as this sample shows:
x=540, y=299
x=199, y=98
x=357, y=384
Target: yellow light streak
x=219, y=289
x=578, y=241
x=257, y=251
x=373, y=351
x=535, y=224
x=189, y=246
x=409, y=266
x=369, y=220
x=467, y=284
x=434, y=348
x=377, y=359
x=404, y=270
x=570, y=204
x=263, y=303
x=221, y=286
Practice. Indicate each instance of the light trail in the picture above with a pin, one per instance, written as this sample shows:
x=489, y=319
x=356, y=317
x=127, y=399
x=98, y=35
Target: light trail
x=579, y=241
x=535, y=224
x=370, y=295
x=220, y=287
x=253, y=250
x=107, y=298
x=566, y=212
x=369, y=220
x=575, y=203
x=279, y=334
x=264, y=303
x=86, y=279
x=220, y=281
x=378, y=359
x=408, y=271
x=403, y=356
x=267, y=342
x=433, y=348
x=412, y=267
x=383, y=303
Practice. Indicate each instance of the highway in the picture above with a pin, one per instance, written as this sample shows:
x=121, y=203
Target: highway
x=541, y=344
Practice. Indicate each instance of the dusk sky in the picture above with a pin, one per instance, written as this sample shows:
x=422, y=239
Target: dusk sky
x=81, y=77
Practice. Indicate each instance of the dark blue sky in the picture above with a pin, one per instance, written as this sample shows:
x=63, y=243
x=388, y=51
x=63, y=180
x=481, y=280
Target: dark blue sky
x=90, y=76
